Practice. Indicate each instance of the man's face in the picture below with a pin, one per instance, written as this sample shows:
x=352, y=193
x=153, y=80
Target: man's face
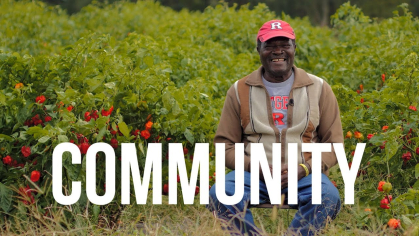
x=277, y=58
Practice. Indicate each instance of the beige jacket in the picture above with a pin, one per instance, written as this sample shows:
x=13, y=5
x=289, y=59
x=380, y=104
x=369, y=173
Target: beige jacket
x=313, y=116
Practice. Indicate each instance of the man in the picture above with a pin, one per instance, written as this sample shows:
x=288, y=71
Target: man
x=279, y=103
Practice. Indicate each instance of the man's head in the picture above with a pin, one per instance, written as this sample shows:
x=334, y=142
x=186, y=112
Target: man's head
x=276, y=47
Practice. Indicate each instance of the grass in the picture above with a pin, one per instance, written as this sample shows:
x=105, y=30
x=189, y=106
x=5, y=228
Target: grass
x=168, y=219
x=174, y=220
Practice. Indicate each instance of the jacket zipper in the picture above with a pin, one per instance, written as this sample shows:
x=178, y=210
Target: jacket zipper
x=280, y=136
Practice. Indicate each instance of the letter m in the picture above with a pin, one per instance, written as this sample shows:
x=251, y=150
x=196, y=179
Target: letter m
x=130, y=163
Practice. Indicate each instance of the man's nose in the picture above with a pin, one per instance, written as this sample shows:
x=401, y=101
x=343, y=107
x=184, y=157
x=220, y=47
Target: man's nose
x=277, y=50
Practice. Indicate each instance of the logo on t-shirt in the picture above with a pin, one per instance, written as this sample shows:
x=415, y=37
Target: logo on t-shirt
x=279, y=105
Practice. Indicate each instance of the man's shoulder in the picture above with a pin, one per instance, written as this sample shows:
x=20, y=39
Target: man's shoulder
x=320, y=85
x=315, y=78
x=239, y=88
x=243, y=79
x=252, y=79
x=318, y=81
x=317, y=87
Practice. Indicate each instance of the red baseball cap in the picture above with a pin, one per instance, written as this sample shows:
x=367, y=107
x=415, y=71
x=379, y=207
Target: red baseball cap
x=275, y=28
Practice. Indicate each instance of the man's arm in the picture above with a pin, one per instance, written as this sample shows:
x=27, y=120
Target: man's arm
x=330, y=126
x=229, y=130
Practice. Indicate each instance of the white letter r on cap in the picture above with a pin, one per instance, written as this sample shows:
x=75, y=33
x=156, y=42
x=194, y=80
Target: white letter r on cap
x=276, y=25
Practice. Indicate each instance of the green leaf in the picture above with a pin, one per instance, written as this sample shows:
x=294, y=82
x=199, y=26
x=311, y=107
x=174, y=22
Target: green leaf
x=88, y=99
x=409, y=203
x=22, y=135
x=7, y=137
x=148, y=61
x=110, y=85
x=68, y=96
x=124, y=129
x=204, y=95
x=62, y=138
x=416, y=185
x=5, y=197
x=391, y=149
x=189, y=136
x=96, y=211
x=83, y=198
x=37, y=132
x=101, y=122
x=102, y=132
x=417, y=171
x=73, y=170
x=176, y=110
x=406, y=220
x=141, y=147
x=2, y=99
x=94, y=84
x=44, y=139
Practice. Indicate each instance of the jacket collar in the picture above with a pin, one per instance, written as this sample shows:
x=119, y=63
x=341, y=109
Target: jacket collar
x=301, y=78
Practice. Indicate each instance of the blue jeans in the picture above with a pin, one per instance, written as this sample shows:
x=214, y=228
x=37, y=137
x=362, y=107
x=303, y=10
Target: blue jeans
x=307, y=220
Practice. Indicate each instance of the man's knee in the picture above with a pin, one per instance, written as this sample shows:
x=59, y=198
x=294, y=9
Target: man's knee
x=229, y=186
x=214, y=203
x=329, y=190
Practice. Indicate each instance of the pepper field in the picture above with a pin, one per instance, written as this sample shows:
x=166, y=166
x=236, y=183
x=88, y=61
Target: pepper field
x=142, y=73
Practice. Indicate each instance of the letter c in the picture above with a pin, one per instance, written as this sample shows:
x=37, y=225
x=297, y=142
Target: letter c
x=57, y=174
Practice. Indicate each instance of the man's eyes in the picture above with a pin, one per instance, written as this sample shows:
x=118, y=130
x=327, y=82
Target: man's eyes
x=281, y=46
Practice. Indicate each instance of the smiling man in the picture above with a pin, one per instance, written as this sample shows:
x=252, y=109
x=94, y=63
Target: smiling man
x=279, y=103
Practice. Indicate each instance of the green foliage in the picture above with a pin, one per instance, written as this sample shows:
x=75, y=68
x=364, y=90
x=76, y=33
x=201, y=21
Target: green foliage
x=135, y=63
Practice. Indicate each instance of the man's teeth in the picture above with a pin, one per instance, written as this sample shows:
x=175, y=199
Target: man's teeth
x=280, y=59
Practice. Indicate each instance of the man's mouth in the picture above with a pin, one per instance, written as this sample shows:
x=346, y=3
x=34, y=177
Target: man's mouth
x=278, y=59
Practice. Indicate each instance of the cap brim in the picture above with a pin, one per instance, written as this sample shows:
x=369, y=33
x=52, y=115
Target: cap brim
x=266, y=37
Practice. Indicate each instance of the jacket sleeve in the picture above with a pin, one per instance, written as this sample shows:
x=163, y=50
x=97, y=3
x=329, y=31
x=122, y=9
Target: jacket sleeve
x=330, y=126
x=230, y=131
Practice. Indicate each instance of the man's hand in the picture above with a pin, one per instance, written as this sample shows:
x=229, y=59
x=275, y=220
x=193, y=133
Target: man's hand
x=261, y=177
x=284, y=175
